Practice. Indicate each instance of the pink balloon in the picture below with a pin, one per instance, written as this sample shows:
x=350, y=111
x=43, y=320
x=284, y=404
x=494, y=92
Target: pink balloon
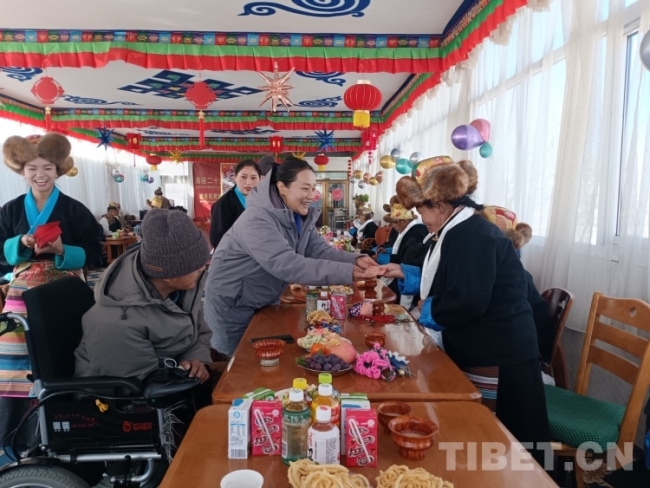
x=316, y=196
x=483, y=127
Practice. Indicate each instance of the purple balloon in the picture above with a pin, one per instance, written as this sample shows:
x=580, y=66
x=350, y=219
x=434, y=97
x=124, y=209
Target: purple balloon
x=466, y=137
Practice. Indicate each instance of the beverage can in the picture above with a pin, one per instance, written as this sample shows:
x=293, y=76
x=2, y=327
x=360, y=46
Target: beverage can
x=338, y=307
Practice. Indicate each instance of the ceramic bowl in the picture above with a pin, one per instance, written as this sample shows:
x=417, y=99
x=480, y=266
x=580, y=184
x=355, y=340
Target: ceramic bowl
x=269, y=351
x=413, y=435
x=387, y=411
x=373, y=338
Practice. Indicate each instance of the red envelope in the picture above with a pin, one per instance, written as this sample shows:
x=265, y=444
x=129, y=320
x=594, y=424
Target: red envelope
x=47, y=233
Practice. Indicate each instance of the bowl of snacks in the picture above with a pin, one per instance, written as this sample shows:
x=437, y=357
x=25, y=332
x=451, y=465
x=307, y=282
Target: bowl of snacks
x=320, y=318
x=387, y=411
x=413, y=435
x=269, y=351
x=318, y=363
x=373, y=338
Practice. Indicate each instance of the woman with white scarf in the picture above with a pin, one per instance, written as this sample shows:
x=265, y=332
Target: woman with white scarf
x=474, y=291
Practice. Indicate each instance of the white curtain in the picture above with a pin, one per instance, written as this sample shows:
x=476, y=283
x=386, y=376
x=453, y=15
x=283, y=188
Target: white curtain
x=94, y=186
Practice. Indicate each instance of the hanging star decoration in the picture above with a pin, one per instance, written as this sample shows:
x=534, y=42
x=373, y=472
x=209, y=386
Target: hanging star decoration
x=176, y=157
x=105, y=137
x=276, y=90
x=299, y=155
x=325, y=140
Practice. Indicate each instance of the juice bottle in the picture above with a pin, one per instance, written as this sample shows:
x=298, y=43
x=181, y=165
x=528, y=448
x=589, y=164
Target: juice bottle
x=301, y=384
x=324, y=438
x=325, y=398
x=327, y=379
x=295, y=427
x=323, y=302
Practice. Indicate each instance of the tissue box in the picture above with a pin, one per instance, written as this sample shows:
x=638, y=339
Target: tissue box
x=239, y=434
x=366, y=421
x=270, y=413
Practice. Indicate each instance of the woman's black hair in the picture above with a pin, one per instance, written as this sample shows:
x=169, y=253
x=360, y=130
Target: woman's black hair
x=288, y=171
x=465, y=200
x=247, y=163
x=158, y=192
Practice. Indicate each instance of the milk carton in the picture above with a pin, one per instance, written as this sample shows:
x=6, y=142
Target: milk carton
x=349, y=403
x=361, y=438
x=239, y=428
x=266, y=434
x=260, y=394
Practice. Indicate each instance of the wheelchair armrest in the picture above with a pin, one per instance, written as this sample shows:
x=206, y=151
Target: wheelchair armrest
x=95, y=383
x=158, y=390
x=10, y=325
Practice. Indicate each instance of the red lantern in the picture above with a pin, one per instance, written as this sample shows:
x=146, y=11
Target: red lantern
x=362, y=98
x=321, y=160
x=201, y=96
x=153, y=160
x=48, y=91
x=277, y=144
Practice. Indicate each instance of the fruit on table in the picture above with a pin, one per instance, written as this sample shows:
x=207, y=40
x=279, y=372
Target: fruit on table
x=318, y=347
x=326, y=362
x=344, y=350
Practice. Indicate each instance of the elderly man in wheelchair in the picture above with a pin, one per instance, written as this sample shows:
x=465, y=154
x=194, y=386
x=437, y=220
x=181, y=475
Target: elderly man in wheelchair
x=110, y=415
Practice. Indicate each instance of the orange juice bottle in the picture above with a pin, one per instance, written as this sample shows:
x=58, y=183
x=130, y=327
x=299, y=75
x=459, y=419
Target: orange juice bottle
x=326, y=399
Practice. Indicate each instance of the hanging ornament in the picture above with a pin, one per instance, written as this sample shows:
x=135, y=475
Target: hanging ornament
x=373, y=181
x=105, y=137
x=73, y=172
x=358, y=174
x=144, y=178
x=361, y=185
x=299, y=155
x=201, y=96
x=48, y=91
x=277, y=145
x=485, y=150
x=337, y=194
x=366, y=177
x=369, y=139
x=349, y=169
x=150, y=180
x=119, y=178
x=380, y=176
x=276, y=89
x=325, y=140
x=176, y=157
x=415, y=158
x=153, y=160
x=362, y=98
x=133, y=143
x=396, y=154
x=321, y=161
x=404, y=166
x=387, y=162
x=115, y=172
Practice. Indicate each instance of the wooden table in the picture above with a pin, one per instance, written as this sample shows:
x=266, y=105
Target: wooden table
x=202, y=459
x=380, y=293
x=436, y=376
x=119, y=245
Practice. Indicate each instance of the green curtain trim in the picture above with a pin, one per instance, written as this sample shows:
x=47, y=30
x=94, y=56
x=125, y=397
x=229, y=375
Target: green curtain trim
x=474, y=24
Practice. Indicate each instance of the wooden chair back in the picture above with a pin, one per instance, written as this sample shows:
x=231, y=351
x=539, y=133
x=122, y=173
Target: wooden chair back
x=368, y=244
x=634, y=313
x=382, y=235
x=559, y=303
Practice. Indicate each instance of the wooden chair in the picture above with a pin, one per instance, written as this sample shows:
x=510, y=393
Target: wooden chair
x=575, y=418
x=382, y=235
x=559, y=305
x=368, y=244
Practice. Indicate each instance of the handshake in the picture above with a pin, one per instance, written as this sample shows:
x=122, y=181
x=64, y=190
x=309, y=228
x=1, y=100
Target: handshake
x=366, y=268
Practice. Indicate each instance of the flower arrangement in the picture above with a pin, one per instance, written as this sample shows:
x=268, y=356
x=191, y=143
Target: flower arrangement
x=325, y=231
x=360, y=201
x=378, y=363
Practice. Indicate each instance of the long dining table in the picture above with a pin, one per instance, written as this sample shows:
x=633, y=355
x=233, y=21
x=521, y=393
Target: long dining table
x=435, y=377
x=471, y=449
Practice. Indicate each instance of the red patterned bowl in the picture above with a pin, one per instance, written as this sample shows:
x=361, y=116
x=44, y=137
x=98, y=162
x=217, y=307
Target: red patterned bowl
x=269, y=351
x=373, y=338
x=413, y=435
x=387, y=411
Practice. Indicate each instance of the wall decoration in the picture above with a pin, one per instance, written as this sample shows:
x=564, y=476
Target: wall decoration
x=325, y=139
x=277, y=144
x=323, y=102
x=207, y=188
x=153, y=160
x=362, y=98
x=277, y=89
x=321, y=161
x=173, y=84
x=227, y=177
x=47, y=90
x=176, y=157
x=254, y=131
x=311, y=8
x=93, y=101
x=20, y=74
x=201, y=96
x=331, y=77
x=105, y=137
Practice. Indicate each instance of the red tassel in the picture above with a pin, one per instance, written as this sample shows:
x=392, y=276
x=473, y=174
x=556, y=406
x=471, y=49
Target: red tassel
x=201, y=131
x=48, y=119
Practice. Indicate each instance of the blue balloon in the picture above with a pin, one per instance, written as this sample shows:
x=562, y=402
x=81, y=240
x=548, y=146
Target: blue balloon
x=486, y=150
x=144, y=178
x=396, y=154
x=403, y=166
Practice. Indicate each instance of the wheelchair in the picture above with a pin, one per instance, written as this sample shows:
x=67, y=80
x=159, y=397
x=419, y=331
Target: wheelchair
x=89, y=431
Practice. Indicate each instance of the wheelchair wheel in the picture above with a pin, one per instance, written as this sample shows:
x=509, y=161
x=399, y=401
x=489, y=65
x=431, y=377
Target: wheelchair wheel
x=41, y=477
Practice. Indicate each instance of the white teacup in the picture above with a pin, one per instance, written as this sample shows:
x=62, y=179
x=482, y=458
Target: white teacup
x=243, y=478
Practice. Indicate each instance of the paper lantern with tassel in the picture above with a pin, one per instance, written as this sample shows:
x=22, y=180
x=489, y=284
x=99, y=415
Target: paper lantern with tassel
x=201, y=96
x=153, y=161
x=277, y=145
x=133, y=143
x=48, y=91
x=321, y=160
x=362, y=98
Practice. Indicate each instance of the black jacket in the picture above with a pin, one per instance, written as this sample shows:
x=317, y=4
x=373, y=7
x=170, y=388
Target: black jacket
x=481, y=298
x=368, y=232
x=411, y=251
x=225, y=212
x=542, y=318
x=78, y=225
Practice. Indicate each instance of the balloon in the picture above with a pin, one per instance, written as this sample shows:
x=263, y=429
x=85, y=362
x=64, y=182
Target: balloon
x=73, y=172
x=466, y=137
x=387, y=162
x=119, y=178
x=316, y=196
x=144, y=178
x=415, y=158
x=486, y=150
x=404, y=166
x=644, y=50
x=362, y=185
x=373, y=181
x=380, y=176
x=483, y=128
x=150, y=180
x=115, y=172
x=396, y=154
x=358, y=174
x=366, y=177
x=337, y=194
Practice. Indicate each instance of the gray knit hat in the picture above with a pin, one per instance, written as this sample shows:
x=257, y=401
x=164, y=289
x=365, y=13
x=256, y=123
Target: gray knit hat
x=172, y=245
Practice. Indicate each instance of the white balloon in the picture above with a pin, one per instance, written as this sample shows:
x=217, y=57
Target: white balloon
x=644, y=50
x=415, y=158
